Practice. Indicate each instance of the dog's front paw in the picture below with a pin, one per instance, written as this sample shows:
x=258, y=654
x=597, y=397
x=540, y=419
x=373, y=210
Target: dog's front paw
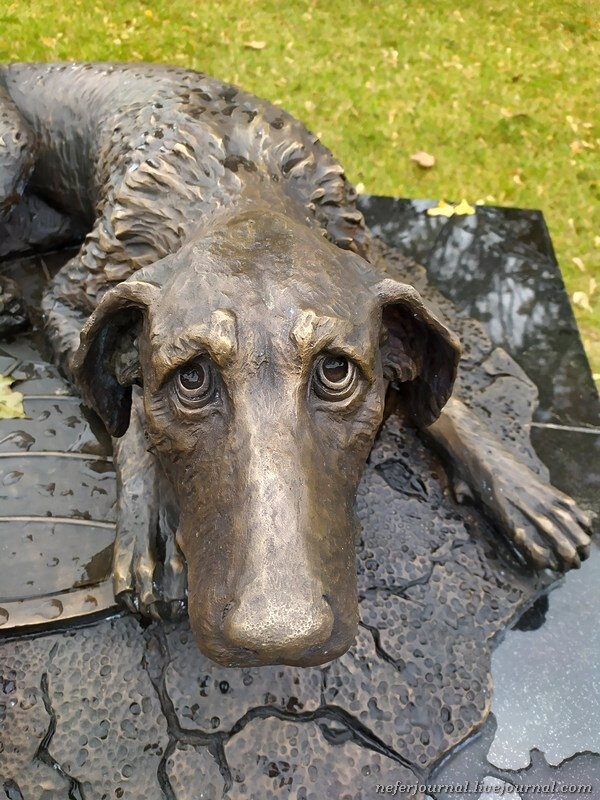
x=546, y=526
x=142, y=582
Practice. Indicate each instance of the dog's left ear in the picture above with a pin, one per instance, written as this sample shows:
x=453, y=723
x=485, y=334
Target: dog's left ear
x=106, y=365
x=420, y=354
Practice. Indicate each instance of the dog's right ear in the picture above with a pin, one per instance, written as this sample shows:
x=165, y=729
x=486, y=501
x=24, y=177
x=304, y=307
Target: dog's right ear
x=106, y=363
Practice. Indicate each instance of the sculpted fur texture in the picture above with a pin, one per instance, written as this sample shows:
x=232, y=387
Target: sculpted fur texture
x=240, y=334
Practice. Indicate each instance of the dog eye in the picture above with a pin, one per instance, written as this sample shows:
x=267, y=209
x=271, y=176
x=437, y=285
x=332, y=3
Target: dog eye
x=334, y=377
x=195, y=383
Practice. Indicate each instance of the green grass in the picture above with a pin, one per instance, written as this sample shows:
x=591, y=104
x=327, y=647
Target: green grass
x=503, y=93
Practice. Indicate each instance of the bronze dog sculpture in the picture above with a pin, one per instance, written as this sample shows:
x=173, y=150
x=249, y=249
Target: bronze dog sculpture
x=232, y=323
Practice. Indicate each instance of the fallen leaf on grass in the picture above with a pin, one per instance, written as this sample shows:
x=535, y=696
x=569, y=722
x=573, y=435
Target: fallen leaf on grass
x=11, y=403
x=463, y=209
x=444, y=209
x=423, y=159
x=578, y=263
x=580, y=145
x=254, y=45
x=582, y=300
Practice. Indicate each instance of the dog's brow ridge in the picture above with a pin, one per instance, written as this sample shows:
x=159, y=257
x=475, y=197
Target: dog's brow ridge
x=310, y=328
x=218, y=337
x=312, y=332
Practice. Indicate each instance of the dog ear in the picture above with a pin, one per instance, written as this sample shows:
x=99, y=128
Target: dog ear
x=106, y=363
x=420, y=354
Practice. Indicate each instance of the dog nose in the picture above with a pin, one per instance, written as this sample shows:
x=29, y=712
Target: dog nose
x=280, y=630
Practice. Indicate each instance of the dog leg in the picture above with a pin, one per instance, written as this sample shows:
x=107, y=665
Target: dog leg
x=72, y=295
x=145, y=579
x=545, y=525
x=65, y=312
x=171, y=575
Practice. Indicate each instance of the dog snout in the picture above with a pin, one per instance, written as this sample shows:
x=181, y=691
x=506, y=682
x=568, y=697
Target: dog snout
x=280, y=629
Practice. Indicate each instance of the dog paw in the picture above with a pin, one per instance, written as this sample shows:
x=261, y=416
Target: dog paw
x=546, y=526
x=144, y=584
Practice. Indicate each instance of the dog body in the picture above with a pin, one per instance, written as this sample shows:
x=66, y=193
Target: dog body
x=227, y=319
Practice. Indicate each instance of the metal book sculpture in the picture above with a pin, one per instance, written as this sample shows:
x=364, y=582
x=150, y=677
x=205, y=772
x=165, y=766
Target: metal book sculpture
x=243, y=338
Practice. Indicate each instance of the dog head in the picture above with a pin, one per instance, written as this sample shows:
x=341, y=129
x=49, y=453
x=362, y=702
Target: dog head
x=265, y=354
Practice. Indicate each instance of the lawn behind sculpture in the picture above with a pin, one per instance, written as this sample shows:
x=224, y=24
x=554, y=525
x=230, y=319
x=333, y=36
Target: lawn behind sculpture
x=501, y=94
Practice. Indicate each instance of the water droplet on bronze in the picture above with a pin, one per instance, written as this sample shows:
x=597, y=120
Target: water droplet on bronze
x=12, y=477
x=51, y=609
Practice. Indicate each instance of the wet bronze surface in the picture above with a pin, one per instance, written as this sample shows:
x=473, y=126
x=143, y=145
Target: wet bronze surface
x=57, y=506
x=248, y=359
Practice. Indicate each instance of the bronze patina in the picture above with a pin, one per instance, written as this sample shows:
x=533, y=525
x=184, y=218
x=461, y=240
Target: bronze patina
x=233, y=323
